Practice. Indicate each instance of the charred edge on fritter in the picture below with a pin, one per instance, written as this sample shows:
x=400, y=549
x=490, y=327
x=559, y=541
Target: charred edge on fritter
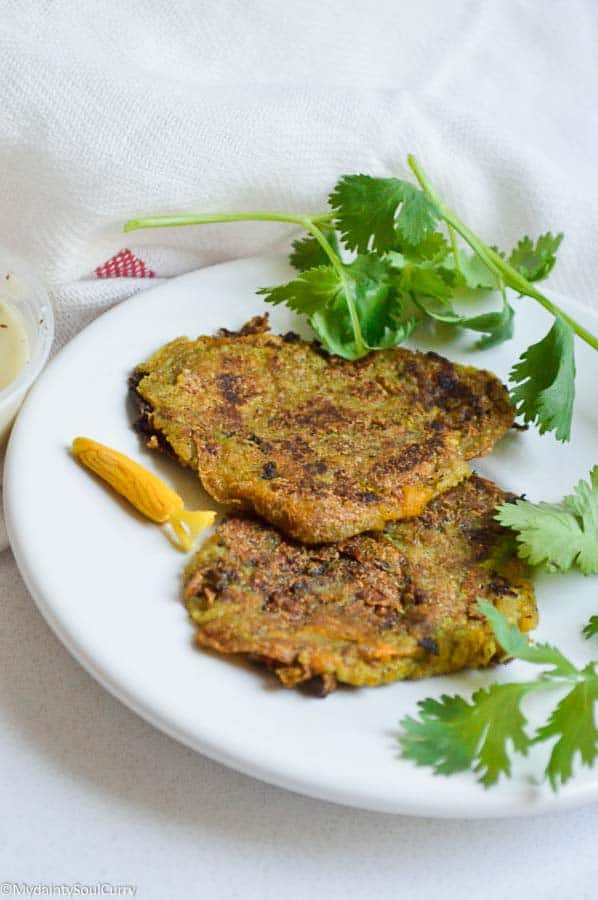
x=319, y=686
x=143, y=424
x=255, y=325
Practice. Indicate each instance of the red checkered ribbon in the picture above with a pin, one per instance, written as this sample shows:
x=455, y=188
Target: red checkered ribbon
x=124, y=265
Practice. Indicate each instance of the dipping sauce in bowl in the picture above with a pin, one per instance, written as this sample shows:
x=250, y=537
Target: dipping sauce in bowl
x=26, y=333
x=14, y=345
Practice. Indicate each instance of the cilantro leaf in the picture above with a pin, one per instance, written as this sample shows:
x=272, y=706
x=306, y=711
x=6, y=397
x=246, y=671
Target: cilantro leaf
x=432, y=247
x=334, y=329
x=591, y=629
x=439, y=310
x=421, y=280
x=496, y=326
x=558, y=535
x=544, y=379
x=475, y=273
x=573, y=722
x=417, y=215
x=516, y=644
x=452, y=735
x=368, y=283
x=323, y=294
x=308, y=253
x=377, y=303
x=375, y=213
x=536, y=261
x=546, y=533
x=584, y=500
x=312, y=290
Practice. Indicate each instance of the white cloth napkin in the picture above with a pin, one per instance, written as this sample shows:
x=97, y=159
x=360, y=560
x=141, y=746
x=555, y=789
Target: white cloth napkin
x=114, y=110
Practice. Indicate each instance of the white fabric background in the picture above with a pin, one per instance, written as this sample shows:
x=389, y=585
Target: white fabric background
x=112, y=109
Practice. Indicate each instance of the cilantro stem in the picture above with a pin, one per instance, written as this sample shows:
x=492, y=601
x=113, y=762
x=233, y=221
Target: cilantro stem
x=453, y=241
x=308, y=222
x=516, y=281
x=504, y=272
x=213, y=218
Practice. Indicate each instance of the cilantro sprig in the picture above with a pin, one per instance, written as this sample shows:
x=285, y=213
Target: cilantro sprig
x=558, y=535
x=386, y=258
x=452, y=734
x=483, y=734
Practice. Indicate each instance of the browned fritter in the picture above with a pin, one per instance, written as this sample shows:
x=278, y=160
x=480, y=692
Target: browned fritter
x=321, y=447
x=375, y=608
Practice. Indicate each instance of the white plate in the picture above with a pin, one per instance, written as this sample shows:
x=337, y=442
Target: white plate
x=108, y=582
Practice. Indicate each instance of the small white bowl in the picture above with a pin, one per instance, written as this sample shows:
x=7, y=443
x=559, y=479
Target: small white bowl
x=26, y=296
x=31, y=303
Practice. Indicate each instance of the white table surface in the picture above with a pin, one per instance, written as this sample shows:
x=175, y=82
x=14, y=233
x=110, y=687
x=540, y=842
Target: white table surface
x=92, y=794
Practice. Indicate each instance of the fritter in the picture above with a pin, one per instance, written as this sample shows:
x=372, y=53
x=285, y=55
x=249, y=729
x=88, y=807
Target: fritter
x=375, y=608
x=321, y=447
